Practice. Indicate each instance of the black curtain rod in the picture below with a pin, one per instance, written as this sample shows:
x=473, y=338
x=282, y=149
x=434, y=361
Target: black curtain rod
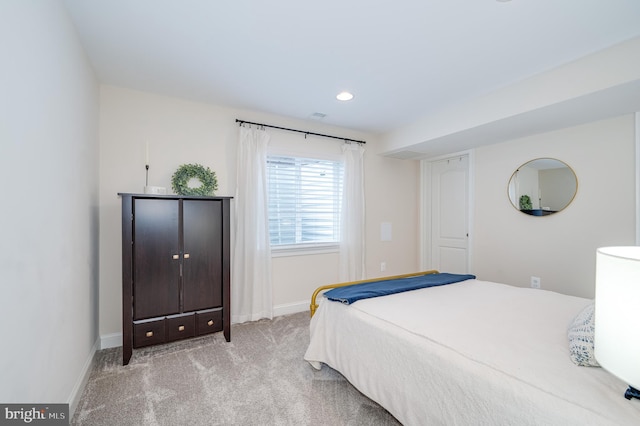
x=300, y=131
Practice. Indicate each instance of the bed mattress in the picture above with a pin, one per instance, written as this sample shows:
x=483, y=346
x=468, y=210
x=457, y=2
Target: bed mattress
x=469, y=353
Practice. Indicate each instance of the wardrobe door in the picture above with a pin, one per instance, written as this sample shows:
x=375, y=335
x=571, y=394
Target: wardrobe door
x=202, y=264
x=156, y=258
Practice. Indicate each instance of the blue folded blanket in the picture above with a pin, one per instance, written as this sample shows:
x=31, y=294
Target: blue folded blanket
x=352, y=293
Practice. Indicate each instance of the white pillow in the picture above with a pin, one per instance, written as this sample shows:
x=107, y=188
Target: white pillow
x=580, y=335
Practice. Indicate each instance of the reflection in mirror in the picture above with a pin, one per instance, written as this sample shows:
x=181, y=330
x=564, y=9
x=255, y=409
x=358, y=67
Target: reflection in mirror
x=542, y=187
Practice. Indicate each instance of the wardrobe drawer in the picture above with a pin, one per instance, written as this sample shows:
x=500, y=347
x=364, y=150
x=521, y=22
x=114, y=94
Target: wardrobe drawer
x=208, y=321
x=149, y=332
x=180, y=327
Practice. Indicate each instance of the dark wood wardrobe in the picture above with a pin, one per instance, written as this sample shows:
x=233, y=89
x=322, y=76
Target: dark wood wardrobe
x=175, y=269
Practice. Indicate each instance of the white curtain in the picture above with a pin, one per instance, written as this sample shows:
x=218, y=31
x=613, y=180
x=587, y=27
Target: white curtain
x=352, y=218
x=251, y=292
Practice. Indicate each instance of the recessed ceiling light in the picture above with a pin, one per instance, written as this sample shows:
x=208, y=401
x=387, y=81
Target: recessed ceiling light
x=344, y=96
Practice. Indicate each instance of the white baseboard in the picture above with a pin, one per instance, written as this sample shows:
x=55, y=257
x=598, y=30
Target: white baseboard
x=290, y=308
x=114, y=340
x=78, y=388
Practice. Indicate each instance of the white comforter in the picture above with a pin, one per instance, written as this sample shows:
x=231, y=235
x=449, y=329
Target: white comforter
x=471, y=353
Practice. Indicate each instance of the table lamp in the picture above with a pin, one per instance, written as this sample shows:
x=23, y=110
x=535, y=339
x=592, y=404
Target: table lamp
x=617, y=302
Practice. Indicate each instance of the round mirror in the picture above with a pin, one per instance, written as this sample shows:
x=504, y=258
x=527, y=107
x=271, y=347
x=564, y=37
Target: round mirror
x=542, y=187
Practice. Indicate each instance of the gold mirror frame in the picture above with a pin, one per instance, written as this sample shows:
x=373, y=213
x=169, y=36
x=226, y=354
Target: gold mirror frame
x=542, y=187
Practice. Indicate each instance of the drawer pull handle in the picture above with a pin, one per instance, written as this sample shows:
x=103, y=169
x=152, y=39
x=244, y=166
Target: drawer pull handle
x=149, y=334
x=186, y=255
x=181, y=328
x=176, y=256
x=210, y=323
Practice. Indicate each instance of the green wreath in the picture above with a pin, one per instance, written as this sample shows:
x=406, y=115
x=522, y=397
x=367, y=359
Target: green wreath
x=186, y=172
x=525, y=202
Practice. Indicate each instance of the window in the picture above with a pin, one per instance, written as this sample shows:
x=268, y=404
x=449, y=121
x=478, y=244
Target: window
x=304, y=201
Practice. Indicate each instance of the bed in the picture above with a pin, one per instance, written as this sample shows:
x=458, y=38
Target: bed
x=468, y=353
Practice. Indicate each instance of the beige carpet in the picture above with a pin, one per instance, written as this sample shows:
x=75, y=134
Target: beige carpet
x=259, y=378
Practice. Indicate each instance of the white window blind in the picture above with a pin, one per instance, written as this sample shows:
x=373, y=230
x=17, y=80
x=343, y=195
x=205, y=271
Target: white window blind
x=304, y=201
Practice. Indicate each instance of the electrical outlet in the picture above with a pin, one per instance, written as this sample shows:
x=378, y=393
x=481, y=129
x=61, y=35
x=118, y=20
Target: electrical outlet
x=535, y=282
x=383, y=266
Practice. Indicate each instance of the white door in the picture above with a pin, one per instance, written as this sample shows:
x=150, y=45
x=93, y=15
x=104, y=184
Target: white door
x=449, y=201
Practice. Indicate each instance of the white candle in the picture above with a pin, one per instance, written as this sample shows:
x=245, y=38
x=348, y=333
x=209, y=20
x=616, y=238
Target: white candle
x=146, y=154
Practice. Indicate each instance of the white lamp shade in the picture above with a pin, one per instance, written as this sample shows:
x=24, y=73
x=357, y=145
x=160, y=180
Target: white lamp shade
x=617, y=303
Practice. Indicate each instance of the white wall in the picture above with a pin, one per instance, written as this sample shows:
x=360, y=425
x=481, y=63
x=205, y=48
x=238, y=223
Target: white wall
x=557, y=188
x=180, y=131
x=49, y=215
x=510, y=246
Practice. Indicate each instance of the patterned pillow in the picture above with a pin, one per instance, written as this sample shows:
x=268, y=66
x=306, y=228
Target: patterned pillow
x=581, y=338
